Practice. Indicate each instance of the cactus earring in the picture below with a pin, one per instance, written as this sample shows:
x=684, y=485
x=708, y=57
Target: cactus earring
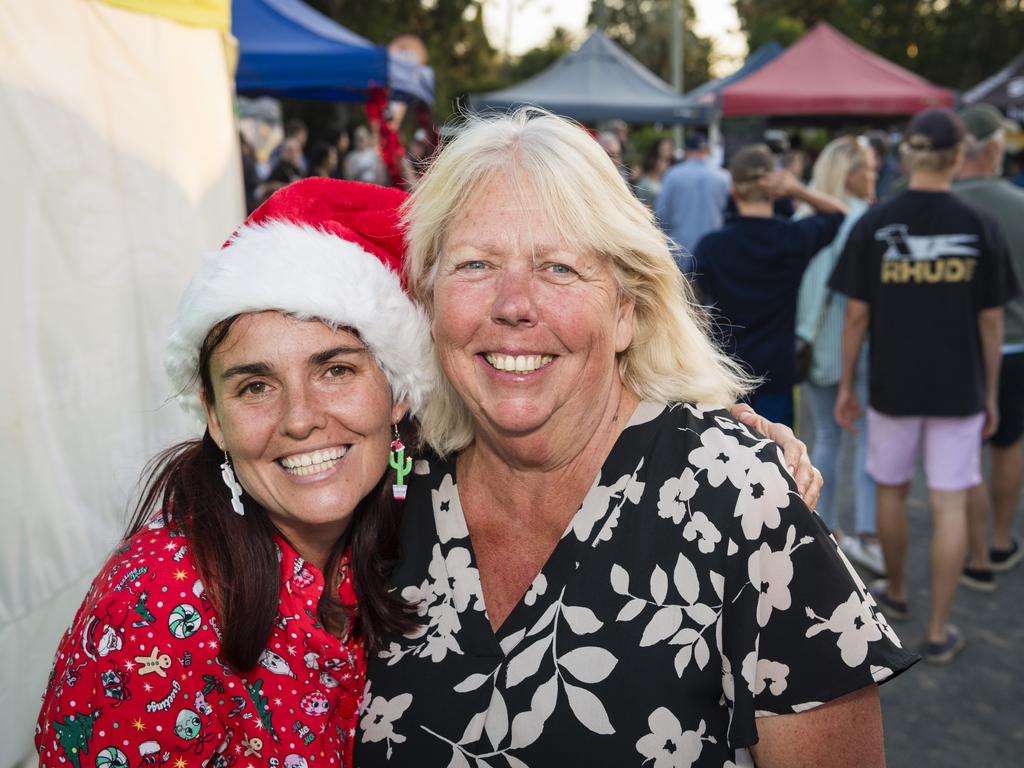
x=402, y=465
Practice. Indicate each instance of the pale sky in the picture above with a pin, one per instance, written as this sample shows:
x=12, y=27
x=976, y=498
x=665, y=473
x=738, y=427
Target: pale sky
x=534, y=21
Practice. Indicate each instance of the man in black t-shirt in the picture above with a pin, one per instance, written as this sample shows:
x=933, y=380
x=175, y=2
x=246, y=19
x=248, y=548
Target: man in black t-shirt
x=926, y=276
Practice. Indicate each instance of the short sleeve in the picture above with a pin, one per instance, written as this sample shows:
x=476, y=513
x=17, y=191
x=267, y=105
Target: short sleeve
x=813, y=233
x=121, y=693
x=996, y=282
x=851, y=275
x=799, y=627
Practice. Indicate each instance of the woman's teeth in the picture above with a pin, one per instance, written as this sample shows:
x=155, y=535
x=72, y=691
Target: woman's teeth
x=311, y=463
x=519, y=363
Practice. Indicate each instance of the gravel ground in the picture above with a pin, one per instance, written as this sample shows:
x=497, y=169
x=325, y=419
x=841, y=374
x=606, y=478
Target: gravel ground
x=968, y=713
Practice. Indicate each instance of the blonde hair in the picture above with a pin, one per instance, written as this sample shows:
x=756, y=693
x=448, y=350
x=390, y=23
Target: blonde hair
x=837, y=161
x=671, y=357
x=934, y=160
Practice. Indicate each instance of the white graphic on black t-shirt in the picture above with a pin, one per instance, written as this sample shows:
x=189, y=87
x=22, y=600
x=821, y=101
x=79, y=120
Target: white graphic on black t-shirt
x=923, y=247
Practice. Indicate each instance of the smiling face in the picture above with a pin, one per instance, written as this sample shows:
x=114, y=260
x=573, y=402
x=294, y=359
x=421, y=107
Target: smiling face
x=305, y=413
x=527, y=328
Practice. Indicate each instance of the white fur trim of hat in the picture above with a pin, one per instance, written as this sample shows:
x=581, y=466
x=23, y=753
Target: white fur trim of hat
x=310, y=274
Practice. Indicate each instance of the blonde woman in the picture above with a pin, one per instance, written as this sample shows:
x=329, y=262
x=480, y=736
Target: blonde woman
x=845, y=169
x=609, y=568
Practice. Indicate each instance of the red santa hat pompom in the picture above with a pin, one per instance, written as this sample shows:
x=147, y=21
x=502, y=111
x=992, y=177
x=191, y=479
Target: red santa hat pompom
x=316, y=249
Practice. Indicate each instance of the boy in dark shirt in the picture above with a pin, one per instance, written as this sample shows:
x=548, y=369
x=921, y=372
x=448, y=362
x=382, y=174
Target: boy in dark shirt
x=926, y=276
x=750, y=271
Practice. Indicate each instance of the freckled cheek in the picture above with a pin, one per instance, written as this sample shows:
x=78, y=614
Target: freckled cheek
x=247, y=434
x=459, y=310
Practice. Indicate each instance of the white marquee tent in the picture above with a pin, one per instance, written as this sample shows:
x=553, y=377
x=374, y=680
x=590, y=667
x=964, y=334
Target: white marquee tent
x=121, y=168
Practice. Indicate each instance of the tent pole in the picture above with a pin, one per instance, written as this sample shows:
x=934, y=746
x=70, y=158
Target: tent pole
x=678, y=12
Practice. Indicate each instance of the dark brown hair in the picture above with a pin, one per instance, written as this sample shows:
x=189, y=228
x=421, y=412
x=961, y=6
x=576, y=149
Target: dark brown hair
x=237, y=556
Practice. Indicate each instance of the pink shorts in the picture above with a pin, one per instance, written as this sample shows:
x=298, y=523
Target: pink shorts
x=952, y=449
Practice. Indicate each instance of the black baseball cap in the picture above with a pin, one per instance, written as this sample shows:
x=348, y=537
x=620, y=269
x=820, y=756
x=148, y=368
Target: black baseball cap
x=696, y=141
x=935, y=129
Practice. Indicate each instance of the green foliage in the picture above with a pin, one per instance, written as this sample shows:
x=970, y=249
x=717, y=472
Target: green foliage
x=955, y=43
x=644, y=28
x=452, y=30
x=538, y=59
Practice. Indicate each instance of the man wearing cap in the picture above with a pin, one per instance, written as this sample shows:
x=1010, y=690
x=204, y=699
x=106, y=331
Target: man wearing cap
x=980, y=185
x=693, y=198
x=927, y=277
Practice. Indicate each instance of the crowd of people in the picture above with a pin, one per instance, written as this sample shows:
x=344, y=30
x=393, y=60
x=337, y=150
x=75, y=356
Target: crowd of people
x=472, y=487
x=476, y=483
x=350, y=154
x=892, y=288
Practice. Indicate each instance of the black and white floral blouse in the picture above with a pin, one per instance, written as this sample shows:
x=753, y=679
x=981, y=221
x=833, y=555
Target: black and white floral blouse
x=691, y=593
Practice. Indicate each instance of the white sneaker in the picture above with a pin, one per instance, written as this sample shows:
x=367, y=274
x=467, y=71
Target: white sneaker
x=867, y=554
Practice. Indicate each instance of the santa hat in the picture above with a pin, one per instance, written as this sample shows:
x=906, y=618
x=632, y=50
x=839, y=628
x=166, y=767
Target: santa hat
x=318, y=248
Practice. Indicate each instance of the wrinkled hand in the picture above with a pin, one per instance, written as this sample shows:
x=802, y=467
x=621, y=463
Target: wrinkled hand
x=847, y=409
x=798, y=462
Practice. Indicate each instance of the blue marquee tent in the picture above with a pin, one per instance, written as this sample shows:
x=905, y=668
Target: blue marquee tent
x=289, y=50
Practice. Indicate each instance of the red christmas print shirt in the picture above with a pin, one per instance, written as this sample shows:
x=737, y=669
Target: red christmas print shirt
x=137, y=682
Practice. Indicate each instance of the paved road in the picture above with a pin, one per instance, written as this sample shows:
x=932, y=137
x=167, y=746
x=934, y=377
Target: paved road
x=970, y=713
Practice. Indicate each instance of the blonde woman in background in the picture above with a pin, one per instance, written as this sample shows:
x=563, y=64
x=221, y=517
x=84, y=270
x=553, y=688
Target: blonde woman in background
x=845, y=169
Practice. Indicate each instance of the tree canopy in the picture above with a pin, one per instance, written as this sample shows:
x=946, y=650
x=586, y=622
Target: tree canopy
x=644, y=28
x=452, y=30
x=955, y=43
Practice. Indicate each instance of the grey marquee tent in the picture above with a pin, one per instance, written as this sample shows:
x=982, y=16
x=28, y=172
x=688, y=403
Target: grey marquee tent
x=1004, y=89
x=597, y=81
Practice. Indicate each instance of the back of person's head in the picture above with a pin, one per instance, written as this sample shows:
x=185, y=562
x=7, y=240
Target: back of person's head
x=879, y=141
x=837, y=161
x=696, y=144
x=986, y=134
x=295, y=128
x=323, y=158
x=933, y=141
x=747, y=168
x=559, y=169
x=611, y=145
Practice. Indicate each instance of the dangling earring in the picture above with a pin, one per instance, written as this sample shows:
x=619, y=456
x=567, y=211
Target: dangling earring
x=227, y=474
x=401, y=463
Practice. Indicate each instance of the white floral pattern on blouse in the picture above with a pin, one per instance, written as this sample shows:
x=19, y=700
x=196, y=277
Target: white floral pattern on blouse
x=691, y=592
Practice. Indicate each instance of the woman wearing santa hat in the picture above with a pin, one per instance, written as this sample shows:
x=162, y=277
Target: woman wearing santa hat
x=232, y=622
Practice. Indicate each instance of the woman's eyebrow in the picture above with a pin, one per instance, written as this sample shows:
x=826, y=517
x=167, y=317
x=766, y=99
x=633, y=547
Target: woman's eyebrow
x=246, y=369
x=329, y=354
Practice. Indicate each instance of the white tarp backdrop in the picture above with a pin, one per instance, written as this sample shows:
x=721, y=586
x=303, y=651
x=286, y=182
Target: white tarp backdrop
x=121, y=167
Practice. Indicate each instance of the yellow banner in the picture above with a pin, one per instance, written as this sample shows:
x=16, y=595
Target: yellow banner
x=215, y=14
